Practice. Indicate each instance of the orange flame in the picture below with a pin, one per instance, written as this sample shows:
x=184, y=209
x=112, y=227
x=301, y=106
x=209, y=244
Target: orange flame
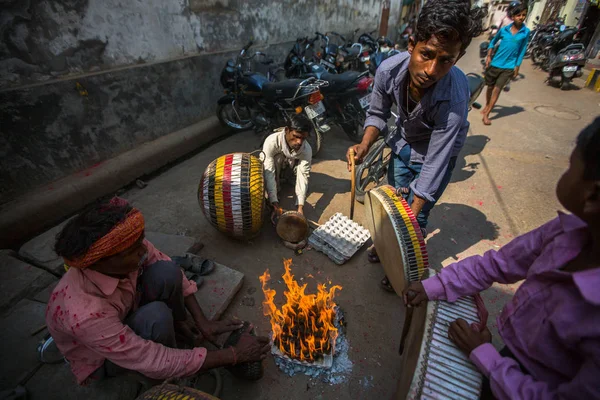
x=303, y=328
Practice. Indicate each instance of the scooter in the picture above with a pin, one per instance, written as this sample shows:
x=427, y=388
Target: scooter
x=567, y=58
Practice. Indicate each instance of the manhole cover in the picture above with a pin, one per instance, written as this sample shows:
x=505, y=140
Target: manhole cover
x=558, y=112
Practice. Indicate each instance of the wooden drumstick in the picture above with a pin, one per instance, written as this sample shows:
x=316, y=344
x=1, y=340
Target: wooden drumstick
x=353, y=185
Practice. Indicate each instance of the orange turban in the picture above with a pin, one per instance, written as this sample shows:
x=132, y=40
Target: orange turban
x=120, y=238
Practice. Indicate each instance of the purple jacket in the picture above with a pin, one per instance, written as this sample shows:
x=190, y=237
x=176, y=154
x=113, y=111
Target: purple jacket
x=552, y=324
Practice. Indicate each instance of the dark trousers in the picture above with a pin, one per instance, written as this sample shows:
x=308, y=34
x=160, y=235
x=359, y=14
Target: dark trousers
x=402, y=172
x=486, y=390
x=161, y=303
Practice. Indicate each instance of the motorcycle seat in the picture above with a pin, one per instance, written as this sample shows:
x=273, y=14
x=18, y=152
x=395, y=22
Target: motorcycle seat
x=281, y=90
x=338, y=82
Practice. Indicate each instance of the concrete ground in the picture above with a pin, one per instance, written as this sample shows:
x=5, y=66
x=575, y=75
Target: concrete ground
x=503, y=186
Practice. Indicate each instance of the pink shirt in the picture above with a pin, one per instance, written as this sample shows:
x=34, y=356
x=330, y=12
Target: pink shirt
x=552, y=324
x=85, y=317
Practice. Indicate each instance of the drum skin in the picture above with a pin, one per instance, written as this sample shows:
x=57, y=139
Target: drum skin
x=231, y=195
x=397, y=237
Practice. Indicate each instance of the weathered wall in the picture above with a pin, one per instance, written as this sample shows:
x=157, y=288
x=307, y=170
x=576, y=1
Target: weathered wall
x=43, y=39
x=84, y=80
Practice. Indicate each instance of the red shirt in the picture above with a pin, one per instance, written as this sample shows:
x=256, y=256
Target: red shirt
x=85, y=317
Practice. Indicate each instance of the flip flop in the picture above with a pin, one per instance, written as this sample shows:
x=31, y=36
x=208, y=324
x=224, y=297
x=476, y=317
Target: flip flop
x=195, y=264
x=386, y=285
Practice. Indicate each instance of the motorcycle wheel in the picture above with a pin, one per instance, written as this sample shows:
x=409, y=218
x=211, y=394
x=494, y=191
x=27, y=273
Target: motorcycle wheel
x=354, y=128
x=234, y=118
x=372, y=170
x=535, y=55
x=315, y=139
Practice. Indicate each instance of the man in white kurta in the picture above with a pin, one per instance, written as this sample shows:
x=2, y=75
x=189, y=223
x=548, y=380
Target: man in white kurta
x=287, y=148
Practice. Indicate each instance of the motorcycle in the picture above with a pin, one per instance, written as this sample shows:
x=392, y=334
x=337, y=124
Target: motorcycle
x=251, y=101
x=346, y=97
x=349, y=55
x=384, y=51
x=373, y=169
x=566, y=58
x=329, y=55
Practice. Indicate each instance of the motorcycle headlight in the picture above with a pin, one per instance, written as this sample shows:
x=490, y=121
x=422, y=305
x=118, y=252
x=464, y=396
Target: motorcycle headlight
x=564, y=58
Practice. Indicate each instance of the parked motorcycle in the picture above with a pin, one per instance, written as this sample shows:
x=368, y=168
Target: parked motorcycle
x=373, y=170
x=329, y=55
x=566, y=58
x=346, y=97
x=384, y=51
x=251, y=101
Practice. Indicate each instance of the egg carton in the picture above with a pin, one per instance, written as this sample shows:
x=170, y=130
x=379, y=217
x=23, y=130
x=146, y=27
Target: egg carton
x=340, y=238
x=329, y=251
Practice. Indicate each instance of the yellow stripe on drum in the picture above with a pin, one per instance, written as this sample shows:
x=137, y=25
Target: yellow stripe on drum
x=409, y=226
x=219, y=204
x=257, y=191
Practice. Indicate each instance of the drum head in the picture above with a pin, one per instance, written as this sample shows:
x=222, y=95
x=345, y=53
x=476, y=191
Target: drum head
x=397, y=237
x=413, y=348
x=292, y=227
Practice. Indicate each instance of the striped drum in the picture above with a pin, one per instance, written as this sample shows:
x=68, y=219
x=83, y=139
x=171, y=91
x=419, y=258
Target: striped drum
x=432, y=366
x=231, y=194
x=397, y=237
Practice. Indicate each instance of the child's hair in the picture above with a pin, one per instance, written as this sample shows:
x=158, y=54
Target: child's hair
x=85, y=229
x=516, y=8
x=588, y=143
x=452, y=20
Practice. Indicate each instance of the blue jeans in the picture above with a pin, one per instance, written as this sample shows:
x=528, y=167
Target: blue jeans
x=402, y=172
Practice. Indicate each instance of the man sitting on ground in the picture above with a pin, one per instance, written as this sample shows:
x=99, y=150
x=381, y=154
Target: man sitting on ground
x=288, y=148
x=119, y=303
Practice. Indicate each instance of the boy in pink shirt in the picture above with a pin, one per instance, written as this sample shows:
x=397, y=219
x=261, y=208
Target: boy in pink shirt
x=118, y=305
x=551, y=328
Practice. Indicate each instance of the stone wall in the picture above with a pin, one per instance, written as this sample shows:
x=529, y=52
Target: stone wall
x=84, y=80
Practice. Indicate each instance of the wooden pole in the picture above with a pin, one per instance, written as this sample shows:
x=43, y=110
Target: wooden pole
x=353, y=184
x=385, y=16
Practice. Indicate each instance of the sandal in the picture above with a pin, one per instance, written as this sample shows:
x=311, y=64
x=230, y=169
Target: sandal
x=193, y=263
x=386, y=285
x=372, y=255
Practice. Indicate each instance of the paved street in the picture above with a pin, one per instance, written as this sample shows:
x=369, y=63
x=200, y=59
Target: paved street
x=503, y=186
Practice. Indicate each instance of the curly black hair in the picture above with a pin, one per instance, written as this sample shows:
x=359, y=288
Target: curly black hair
x=516, y=8
x=588, y=143
x=80, y=233
x=450, y=20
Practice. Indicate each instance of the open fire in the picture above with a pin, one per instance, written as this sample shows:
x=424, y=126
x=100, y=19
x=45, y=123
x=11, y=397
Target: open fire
x=303, y=328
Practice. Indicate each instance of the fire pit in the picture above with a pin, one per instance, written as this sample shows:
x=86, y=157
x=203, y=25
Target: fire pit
x=306, y=329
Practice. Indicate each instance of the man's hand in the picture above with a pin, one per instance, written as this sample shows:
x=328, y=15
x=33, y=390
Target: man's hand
x=252, y=348
x=414, y=295
x=301, y=209
x=466, y=337
x=360, y=151
x=277, y=211
x=212, y=330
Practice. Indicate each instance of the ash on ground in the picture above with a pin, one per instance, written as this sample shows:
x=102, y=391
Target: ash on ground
x=341, y=368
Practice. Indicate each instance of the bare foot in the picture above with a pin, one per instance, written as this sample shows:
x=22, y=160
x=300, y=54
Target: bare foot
x=484, y=111
x=486, y=120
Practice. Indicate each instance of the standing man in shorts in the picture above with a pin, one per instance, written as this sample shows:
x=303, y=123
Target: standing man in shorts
x=508, y=57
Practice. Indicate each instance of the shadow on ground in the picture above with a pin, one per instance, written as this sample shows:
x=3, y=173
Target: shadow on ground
x=455, y=228
x=474, y=144
x=504, y=111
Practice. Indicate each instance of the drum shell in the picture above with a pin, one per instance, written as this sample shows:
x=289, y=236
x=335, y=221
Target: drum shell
x=231, y=195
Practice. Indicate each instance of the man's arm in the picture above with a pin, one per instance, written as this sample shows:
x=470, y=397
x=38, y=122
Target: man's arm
x=270, y=150
x=476, y=273
x=509, y=382
x=110, y=338
x=378, y=114
x=448, y=127
x=302, y=175
x=491, y=46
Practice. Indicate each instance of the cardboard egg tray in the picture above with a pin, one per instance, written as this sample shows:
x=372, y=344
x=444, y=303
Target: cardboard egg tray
x=339, y=238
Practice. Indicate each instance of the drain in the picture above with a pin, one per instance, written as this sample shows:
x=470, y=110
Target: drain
x=558, y=112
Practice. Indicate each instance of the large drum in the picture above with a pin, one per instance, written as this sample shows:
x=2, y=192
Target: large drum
x=432, y=366
x=232, y=194
x=397, y=237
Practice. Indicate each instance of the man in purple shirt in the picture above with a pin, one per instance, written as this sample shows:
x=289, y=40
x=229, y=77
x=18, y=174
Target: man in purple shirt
x=431, y=96
x=551, y=328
